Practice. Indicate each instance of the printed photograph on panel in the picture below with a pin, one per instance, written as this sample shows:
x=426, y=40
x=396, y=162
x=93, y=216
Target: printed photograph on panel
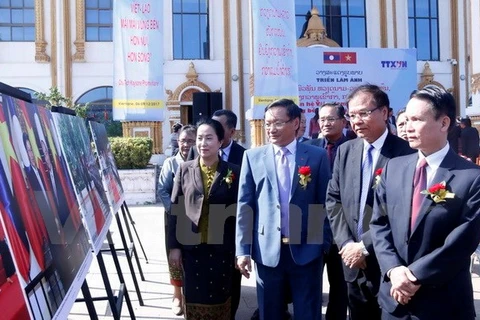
x=12, y=298
x=76, y=145
x=110, y=176
x=44, y=210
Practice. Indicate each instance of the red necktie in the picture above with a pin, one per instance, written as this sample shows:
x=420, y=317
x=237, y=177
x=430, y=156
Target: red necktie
x=330, y=154
x=419, y=184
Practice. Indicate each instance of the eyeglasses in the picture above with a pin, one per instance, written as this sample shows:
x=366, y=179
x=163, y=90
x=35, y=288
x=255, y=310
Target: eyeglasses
x=188, y=141
x=364, y=115
x=329, y=120
x=277, y=125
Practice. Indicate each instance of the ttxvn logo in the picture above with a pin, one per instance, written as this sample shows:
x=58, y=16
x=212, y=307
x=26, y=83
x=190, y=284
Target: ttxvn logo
x=394, y=64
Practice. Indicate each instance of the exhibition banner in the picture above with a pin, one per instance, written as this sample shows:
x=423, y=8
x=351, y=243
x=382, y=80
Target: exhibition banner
x=85, y=173
x=330, y=74
x=274, y=54
x=109, y=172
x=40, y=215
x=138, y=93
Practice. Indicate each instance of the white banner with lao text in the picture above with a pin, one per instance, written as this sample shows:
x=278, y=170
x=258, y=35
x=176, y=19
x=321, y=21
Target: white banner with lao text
x=138, y=63
x=330, y=74
x=274, y=53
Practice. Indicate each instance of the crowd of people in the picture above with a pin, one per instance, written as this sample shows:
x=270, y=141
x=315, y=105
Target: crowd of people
x=389, y=205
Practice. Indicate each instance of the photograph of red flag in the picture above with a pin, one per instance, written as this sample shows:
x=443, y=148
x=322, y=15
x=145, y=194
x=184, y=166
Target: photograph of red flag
x=40, y=214
x=340, y=57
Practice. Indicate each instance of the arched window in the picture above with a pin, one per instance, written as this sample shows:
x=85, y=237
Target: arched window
x=98, y=20
x=100, y=109
x=345, y=20
x=17, y=20
x=190, y=29
x=423, y=28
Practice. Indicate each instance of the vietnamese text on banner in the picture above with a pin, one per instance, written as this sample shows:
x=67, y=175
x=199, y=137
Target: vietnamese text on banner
x=138, y=60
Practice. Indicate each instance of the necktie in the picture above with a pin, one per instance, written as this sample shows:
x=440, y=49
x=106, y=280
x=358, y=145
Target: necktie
x=284, y=186
x=330, y=154
x=419, y=184
x=222, y=154
x=366, y=181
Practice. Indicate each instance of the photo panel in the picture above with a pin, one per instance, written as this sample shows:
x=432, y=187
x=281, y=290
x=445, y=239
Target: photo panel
x=85, y=173
x=50, y=246
x=108, y=167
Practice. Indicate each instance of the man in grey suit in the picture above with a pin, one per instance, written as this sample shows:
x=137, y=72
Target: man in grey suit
x=426, y=219
x=332, y=121
x=280, y=216
x=350, y=195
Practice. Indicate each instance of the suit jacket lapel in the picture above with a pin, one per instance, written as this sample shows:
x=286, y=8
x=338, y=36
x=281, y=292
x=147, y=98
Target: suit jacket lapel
x=385, y=153
x=269, y=162
x=443, y=174
x=301, y=159
x=219, y=175
x=356, y=167
x=196, y=174
x=406, y=187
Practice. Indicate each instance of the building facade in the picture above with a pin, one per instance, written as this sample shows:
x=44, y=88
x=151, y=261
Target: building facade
x=68, y=44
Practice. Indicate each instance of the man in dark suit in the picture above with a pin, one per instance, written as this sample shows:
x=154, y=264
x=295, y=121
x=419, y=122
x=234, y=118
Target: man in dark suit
x=469, y=140
x=426, y=219
x=231, y=151
x=302, y=128
x=280, y=205
x=350, y=196
x=332, y=121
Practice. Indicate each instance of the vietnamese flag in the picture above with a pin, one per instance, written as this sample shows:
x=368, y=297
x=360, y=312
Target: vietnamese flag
x=9, y=210
x=340, y=57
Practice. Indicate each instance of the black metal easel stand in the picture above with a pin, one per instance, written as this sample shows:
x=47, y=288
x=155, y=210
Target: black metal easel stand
x=115, y=302
x=130, y=237
x=130, y=251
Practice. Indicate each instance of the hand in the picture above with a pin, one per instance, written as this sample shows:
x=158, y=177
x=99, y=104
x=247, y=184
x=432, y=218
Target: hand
x=352, y=255
x=403, y=284
x=175, y=258
x=244, y=265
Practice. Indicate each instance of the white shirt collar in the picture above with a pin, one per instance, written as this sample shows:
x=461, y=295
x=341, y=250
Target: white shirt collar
x=227, y=149
x=377, y=144
x=292, y=147
x=435, y=159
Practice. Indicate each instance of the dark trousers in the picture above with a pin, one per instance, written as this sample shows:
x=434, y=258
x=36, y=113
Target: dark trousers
x=337, y=296
x=305, y=284
x=394, y=316
x=362, y=300
x=236, y=291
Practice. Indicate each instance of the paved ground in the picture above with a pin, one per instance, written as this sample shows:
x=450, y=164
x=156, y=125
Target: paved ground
x=156, y=290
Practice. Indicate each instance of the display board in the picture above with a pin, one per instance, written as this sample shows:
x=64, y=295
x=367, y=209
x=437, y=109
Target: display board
x=85, y=174
x=109, y=172
x=39, y=211
x=329, y=74
x=274, y=51
x=138, y=93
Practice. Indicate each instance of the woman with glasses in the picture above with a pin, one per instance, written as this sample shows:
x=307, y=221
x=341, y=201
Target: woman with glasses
x=174, y=137
x=202, y=226
x=186, y=140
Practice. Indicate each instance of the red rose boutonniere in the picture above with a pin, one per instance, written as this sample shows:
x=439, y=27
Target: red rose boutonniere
x=229, y=177
x=438, y=192
x=305, y=174
x=378, y=173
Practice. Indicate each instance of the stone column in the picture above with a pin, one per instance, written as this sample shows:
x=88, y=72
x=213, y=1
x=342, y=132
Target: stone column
x=474, y=110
